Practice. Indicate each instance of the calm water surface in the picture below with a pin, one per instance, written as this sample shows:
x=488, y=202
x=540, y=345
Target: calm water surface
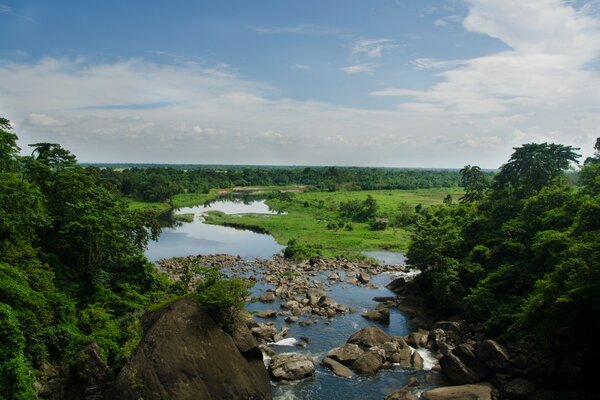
x=200, y=238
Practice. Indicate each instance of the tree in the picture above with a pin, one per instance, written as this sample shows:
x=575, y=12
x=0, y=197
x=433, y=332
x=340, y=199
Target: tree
x=8, y=146
x=533, y=166
x=54, y=155
x=475, y=183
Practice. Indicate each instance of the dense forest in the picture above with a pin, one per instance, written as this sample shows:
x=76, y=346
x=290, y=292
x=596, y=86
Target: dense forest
x=72, y=268
x=521, y=253
x=160, y=183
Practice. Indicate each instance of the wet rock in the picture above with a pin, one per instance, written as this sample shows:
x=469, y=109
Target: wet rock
x=266, y=314
x=291, y=318
x=402, y=357
x=291, y=367
x=337, y=368
x=267, y=297
x=412, y=382
x=381, y=315
x=466, y=353
x=416, y=360
x=369, y=337
x=368, y=363
x=346, y=354
x=447, y=326
x=401, y=394
x=415, y=339
x=396, y=285
x=480, y=391
x=363, y=277
x=384, y=299
x=264, y=332
x=327, y=302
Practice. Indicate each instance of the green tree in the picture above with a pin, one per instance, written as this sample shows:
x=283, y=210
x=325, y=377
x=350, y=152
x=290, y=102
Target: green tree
x=475, y=183
x=8, y=147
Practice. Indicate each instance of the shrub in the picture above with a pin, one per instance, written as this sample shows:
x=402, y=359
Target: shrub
x=222, y=296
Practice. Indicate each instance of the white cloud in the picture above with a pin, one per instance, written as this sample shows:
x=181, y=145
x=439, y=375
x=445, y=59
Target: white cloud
x=359, y=69
x=373, y=48
x=424, y=64
x=4, y=9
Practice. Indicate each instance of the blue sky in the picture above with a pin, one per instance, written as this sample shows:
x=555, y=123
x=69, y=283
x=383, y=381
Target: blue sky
x=381, y=83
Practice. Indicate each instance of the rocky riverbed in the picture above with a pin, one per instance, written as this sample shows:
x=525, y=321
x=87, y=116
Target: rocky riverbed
x=292, y=298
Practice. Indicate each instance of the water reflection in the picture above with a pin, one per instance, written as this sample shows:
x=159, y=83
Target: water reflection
x=183, y=238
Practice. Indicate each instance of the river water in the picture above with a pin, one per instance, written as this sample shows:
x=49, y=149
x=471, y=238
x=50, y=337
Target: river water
x=199, y=238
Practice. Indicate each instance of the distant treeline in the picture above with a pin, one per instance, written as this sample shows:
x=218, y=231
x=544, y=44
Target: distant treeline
x=159, y=183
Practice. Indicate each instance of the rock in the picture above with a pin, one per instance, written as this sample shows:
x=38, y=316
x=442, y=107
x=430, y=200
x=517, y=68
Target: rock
x=369, y=337
x=436, y=379
x=466, y=353
x=327, y=302
x=368, y=363
x=363, y=277
x=384, y=299
x=414, y=339
x=185, y=355
x=378, y=315
x=291, y=305
x=397, y=285
x=346, y=354
x=518, y=389
x=480, y=391
x=264, y=332
x=280, y=335
x=455, y=370
x=267, y=297
x=246, y=342
x=291, y=318
x=493, y=355
x=291, y=367
x=416, y=360
x=266, y=314
x=337, y=368
x=449, y=326
x=402, y=357
x=412, y=382
x=401, y=394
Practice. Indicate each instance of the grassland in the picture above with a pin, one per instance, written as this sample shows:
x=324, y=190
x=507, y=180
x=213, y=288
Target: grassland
x=309, y=214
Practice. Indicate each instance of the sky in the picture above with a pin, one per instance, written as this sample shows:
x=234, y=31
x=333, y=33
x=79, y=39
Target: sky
x=404, y=83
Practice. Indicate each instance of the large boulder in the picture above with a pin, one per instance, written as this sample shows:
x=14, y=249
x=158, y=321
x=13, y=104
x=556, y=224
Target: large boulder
x=480, y=391
x=493, y=355
x=368, y=363
x=337, y=368
x=466, y=353
x=455, y=370
x=380, y=314
x=346, y=354
x=185, y=355
x=397, y=285
x=291, y=367
x=369, y=337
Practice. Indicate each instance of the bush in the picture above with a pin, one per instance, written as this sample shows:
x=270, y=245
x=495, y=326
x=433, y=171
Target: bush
x=222, y=296
x=298, y=251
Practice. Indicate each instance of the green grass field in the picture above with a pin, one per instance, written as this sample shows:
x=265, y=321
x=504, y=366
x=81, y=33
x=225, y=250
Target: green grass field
x=308, y=215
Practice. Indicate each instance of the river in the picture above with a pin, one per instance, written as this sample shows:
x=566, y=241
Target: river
x=199, y=238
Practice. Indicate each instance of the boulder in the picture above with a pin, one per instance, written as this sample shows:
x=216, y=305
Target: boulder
x=346, y=354
x=401, y=394
x=267, y=297
x=518, y=389
x=396, y=285
x=266, y=314
x=493, y=355
x=455, y=370
x=378, y=315
x=264, y=332
x=368, y=363
x=416, y=360
x=363, y=277
x=402, y=357
x=466, y=353
x=415, y=339
x=369, y=337
x=449, y=326
x=326, y=302
x=337, y=368
x=291, y=367
x=480, y=391
x=185, y=355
